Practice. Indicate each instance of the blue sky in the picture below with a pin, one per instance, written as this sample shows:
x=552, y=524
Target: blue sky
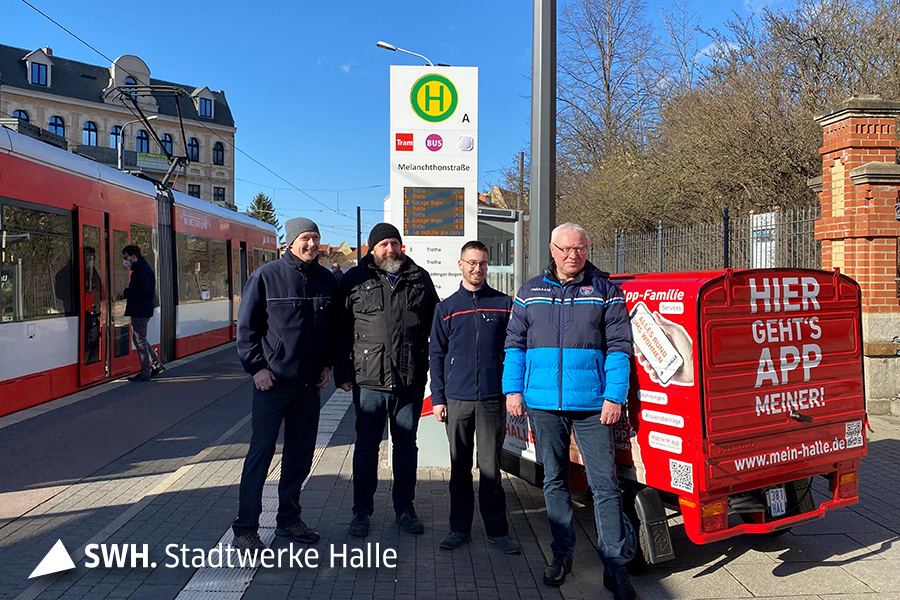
x=307, y=86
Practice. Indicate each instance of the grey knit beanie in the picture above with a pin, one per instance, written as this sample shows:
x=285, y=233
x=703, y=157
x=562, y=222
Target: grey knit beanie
x=295, y=227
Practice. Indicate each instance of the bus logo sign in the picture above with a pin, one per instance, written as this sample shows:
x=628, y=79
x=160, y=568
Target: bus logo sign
x=434, y=98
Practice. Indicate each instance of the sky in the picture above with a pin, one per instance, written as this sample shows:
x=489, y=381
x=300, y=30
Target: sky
x=307, y=86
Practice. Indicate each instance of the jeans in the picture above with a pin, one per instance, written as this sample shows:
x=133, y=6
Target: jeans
x=298, y=406
x=403, y=409
x=146, y=353
x=484, y=422
x=595, y=442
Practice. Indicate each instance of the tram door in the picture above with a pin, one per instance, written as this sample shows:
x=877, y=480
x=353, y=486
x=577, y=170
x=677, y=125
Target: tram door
x=105, y=332
x=93, y=296
x=121, y=360
x=238, y=278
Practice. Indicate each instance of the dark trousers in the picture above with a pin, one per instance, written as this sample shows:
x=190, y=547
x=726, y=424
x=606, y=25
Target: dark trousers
x=485, y=423
x=615, y=543
x=402, y=409
x=298, y=406
x=146, y=353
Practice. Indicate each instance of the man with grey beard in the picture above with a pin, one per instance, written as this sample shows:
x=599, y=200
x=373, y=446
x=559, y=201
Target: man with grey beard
x=385, y=308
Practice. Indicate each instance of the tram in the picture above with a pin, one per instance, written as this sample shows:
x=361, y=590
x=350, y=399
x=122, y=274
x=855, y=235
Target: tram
x=64, y=220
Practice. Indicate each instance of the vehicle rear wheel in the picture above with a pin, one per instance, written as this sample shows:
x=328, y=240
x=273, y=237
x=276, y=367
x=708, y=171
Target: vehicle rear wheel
x=640, y=559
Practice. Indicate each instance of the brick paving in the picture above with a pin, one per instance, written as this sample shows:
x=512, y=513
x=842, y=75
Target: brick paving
x=178, y=485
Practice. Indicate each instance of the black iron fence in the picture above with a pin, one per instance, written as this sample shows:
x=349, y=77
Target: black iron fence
x=782, y=238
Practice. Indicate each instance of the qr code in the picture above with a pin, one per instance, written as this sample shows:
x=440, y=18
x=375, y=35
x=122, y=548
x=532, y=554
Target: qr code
x=682, y=475
x=853, y=434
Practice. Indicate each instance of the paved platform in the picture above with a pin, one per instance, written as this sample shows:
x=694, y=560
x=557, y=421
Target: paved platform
x=159, y=464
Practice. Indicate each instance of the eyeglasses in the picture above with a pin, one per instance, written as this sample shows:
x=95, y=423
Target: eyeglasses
x=473, y=264
x=579, y=250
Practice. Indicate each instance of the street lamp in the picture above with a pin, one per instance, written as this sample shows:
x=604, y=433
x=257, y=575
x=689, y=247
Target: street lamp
x=394, y=48
x=122, y=140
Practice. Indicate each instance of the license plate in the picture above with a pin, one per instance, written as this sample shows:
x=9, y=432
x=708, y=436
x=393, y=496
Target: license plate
x=777, y=501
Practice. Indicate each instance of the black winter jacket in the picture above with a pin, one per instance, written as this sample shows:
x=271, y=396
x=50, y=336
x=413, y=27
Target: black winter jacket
x=285, y=323
x=382, y=341
x=140, y=295
x=467, y=339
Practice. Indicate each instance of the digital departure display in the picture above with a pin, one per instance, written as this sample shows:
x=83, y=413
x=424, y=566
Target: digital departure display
x=433, y=211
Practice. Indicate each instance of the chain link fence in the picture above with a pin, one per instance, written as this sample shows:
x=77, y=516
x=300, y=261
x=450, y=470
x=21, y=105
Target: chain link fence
x=783, y=238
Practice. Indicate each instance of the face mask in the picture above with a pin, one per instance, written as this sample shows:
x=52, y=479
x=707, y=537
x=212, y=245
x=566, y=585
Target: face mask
x=127, y=263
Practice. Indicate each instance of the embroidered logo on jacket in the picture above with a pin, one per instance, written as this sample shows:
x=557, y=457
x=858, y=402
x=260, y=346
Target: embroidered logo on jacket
x=586, y=290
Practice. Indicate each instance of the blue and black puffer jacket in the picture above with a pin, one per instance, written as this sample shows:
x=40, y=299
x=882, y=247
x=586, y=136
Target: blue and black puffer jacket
x=568, y=346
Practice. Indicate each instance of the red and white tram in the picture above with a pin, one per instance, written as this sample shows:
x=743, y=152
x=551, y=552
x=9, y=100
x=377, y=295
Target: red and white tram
x=64, y=220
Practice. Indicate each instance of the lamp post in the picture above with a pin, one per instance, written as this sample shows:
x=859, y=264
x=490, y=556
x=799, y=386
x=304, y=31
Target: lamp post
x=394, y=48
x=122, y=140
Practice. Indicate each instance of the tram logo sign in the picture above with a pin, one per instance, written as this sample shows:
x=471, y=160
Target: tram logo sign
x=434, y=98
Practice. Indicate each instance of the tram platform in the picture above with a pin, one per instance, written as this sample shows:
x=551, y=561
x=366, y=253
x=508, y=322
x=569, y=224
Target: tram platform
x=158, y=464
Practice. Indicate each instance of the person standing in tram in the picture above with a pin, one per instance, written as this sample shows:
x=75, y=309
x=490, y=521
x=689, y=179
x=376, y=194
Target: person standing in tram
x=140, y=296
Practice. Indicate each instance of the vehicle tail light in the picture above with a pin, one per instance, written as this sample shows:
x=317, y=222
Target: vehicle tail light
x=848, y=485
x=714, y=516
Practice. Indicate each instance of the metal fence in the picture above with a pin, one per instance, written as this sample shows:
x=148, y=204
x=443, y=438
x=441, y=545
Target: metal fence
x=783, y=238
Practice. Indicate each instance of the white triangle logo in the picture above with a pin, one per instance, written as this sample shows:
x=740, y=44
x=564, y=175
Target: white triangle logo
x=57, y=560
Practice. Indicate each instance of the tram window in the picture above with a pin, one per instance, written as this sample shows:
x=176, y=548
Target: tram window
x=35, y=264
x=142, y=237
x=203, y=269
x=121, y=343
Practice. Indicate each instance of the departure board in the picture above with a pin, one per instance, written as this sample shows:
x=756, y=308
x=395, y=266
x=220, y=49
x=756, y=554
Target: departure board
x=433, y=211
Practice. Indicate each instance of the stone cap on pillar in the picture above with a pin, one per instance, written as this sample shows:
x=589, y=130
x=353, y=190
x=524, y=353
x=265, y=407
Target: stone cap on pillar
x=863, y=106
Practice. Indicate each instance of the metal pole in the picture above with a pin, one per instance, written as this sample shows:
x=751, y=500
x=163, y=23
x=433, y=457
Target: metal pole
x=543, y=135
x=615, y=266
x=519, y=251
x=358, y=236
x=521, y=201
x=659, y=247
x=725, y=229
x=121, y=148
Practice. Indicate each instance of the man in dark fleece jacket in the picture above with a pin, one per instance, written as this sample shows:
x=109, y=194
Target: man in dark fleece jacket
x=284, y=338
x=467, y=337
x=140, y=297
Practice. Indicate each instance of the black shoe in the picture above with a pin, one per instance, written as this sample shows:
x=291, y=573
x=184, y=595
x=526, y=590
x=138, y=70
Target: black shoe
x=620, y=585
x=248, y=541
x=410, y=523
x=556, y=571
x=157, y=370
x=300, y=532
x=454, y=540
x=139, y=377
x=359, y=526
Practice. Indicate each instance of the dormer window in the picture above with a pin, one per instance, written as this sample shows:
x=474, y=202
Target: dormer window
x=206, y=108
x=39, y=74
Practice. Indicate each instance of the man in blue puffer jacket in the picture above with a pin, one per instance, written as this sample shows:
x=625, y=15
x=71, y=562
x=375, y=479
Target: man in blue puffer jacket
x=467, y=338
x=568, y=357
x=284, y=340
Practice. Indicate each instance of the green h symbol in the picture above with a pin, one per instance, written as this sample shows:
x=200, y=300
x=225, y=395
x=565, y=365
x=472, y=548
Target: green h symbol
x=439, y=98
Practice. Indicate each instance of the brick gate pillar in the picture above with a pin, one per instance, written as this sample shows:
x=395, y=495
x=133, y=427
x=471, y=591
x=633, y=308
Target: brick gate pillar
x=859, y=229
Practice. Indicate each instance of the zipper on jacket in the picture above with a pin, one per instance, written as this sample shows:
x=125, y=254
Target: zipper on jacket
x=562, y=308
x=477, y=363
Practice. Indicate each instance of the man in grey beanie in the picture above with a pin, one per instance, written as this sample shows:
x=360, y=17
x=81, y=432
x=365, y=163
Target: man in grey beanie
x=284, y=340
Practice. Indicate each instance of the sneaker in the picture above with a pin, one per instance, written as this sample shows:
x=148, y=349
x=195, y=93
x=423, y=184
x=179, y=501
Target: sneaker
x=620, y=585
x=454, y=540
x=139, y=377
x=157, y=370
x=506, y=543
x=556, y=571
x=248, y=541
x=410, y=523
x=359, y=526
x=300, y=532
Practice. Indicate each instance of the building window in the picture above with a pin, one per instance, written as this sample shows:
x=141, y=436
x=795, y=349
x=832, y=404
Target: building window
x=22, y=115
x=206, y=108
x=167, y=144
x=142, y=142
x=115, y=135
x=219, y=194
x=218, y=154
x=38, y=73
x=194, y=150
x=89, y=134
x=193, y=190
x=57, y=126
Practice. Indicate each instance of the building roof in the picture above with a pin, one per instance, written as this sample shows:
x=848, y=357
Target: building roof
x=81, y=81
